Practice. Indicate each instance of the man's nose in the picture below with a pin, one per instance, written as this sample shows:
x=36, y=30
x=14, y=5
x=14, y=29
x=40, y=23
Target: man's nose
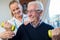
x=30, y=15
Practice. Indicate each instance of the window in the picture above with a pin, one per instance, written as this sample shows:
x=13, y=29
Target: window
x=54, y=12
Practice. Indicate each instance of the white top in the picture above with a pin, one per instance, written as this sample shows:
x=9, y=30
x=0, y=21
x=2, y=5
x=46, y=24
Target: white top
x=16, y=23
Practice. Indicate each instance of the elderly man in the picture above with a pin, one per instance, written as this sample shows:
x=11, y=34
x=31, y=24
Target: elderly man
x=36, y=29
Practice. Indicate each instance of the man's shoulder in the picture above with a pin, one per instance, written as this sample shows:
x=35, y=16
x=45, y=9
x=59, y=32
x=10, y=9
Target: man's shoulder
x=47, y=25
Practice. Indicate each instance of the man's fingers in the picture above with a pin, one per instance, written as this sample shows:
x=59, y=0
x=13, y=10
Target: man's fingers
x=56, y=31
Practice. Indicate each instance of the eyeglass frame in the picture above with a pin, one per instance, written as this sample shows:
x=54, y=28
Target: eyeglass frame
x=31, y=11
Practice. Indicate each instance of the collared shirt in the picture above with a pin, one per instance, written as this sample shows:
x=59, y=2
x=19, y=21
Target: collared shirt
x=37, y=24
x=16, y=23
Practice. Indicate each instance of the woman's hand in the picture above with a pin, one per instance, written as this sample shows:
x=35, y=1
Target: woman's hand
x=6, y=34
x=7, y=25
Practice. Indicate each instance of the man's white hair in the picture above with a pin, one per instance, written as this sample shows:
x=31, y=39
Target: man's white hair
x=40, y=5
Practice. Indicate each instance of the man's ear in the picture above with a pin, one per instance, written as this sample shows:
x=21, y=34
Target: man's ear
x=41, y=12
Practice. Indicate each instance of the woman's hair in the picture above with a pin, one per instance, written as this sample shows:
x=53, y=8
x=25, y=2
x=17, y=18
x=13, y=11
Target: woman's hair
x=12, y=2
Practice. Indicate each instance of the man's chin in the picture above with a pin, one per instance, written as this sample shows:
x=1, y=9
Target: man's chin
x=31, y=20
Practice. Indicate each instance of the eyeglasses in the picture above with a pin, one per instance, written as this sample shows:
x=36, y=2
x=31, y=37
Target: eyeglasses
x=31, y=11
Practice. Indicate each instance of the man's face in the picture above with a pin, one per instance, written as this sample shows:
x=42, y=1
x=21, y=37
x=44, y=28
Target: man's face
x=15, y=9
x=33, y=12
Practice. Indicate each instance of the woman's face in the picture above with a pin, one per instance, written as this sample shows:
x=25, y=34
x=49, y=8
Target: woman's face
x=16, y=10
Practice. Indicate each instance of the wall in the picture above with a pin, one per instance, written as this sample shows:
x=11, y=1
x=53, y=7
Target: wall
x=46, y=4
x=4, y=10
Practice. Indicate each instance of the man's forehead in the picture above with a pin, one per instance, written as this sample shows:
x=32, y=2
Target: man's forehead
x=32, y=7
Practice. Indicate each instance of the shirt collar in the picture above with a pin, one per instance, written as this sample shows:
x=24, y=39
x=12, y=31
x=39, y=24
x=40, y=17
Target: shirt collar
x=37, y=24
x=16, y=19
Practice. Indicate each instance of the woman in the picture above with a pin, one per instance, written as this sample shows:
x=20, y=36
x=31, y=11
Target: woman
x=17, y=19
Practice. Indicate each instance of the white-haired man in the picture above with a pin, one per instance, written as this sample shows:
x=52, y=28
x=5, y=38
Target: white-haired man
x=35, y=29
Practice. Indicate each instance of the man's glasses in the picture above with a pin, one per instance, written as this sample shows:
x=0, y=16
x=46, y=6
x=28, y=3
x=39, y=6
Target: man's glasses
x=31, y=11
